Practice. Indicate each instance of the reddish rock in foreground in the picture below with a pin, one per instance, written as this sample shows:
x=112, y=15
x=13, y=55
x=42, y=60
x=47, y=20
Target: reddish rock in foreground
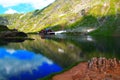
x=95, y=69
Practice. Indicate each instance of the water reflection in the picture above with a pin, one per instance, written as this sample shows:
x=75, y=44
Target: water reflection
x=85, y=47
x=7, y=41
x=24, y=65
x=64, y=37
x=66, y=50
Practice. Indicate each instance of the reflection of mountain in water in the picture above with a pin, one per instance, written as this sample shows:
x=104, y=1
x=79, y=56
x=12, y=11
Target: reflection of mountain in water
x=63, y=53
x=67, y=50
x=88, y=44
x=7, y=41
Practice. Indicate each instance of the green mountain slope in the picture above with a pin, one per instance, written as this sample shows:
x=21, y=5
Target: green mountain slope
x=103, y=16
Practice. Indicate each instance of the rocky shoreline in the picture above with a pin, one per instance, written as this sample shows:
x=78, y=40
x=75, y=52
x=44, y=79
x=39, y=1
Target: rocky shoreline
x=94, y=69
x=6, y=33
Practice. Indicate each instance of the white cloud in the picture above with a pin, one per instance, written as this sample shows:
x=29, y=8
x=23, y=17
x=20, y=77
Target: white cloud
x=37, y=4
x=11, y=51
x=13, y=66
x=11, y=11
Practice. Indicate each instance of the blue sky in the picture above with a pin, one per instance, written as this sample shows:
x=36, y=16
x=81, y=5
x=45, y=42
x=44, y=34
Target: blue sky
x=22, y=6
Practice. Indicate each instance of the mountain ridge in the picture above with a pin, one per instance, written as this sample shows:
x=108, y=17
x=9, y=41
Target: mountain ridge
x=71, y=15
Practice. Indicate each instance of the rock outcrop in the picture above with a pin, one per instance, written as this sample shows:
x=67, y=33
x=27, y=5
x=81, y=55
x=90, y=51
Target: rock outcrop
x=6, y=33
x=3, y=21
x=95, y=69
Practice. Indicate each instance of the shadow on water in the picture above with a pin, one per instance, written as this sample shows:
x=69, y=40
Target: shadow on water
x=6, y=41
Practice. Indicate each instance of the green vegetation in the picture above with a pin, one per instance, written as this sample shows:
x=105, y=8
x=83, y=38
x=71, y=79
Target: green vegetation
x=103, y=15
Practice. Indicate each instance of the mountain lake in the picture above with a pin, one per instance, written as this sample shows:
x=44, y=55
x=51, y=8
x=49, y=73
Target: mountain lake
x=45, y=55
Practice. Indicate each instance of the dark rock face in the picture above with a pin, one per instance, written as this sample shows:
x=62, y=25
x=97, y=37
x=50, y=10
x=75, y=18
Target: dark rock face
x=3, y=28
x=3, y=21
x=7, y=33
x=12, y=34
x=95, y=69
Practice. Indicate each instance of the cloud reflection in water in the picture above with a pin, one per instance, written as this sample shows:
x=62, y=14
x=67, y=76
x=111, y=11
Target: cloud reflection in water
x=24, y=65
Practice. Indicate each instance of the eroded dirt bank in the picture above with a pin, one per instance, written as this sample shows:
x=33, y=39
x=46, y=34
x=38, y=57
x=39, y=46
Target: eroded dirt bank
x=94, y=69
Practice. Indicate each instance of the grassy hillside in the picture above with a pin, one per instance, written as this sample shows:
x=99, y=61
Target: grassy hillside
x=73, y=15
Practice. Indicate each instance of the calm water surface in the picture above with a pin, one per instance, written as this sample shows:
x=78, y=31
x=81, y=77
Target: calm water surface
x=33, y=59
